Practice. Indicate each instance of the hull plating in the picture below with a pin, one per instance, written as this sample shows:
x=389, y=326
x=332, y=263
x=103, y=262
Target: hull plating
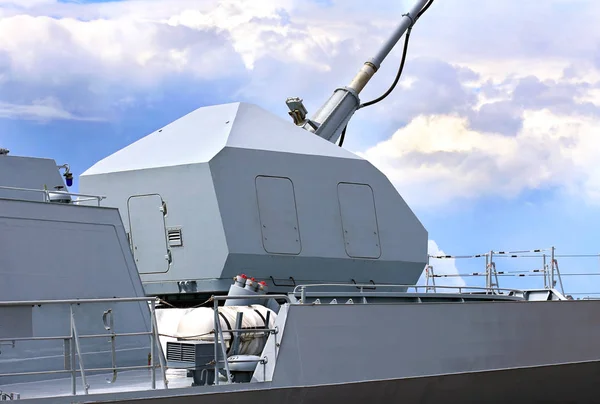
x=568, y=383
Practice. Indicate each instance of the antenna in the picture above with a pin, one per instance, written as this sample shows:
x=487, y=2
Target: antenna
x=333, y=116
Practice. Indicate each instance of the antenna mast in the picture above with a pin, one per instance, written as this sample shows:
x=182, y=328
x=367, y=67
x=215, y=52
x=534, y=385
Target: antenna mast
x=330, y=120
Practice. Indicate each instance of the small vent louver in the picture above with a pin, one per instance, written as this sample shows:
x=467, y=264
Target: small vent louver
x=181, y=352
x=174, y=237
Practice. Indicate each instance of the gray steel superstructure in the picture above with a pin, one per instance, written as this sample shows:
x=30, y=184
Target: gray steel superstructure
x=247, y=192
x=233, y=255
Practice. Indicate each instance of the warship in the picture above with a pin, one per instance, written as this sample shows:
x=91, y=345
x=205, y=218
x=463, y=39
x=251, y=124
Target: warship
x=233, y=255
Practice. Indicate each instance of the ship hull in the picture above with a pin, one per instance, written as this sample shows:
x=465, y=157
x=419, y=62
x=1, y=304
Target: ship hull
x=568, y=383
x=421, y=353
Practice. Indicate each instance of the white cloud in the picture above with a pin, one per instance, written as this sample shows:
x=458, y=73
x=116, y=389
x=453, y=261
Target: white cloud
x=126, y=46
x=40, y=110
x=493, y=101
x=61, y=50
x=438, y=159
x=445, y=266
x=130, y=34
x=25, y=3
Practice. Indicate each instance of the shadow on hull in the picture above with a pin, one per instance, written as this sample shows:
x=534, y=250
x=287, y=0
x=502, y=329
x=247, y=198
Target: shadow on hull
x=572, y=383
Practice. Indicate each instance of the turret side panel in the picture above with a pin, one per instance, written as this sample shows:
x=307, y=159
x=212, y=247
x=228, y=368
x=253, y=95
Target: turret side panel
x=193, y=222
x=352, y=222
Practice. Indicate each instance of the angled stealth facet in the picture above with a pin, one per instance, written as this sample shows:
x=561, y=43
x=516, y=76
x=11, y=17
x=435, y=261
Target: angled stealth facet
x=248, y=192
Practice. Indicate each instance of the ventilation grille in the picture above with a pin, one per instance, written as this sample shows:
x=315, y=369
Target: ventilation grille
x=174, y=237
x=181, y=352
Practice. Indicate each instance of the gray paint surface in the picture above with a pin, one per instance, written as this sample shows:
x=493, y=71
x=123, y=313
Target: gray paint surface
x=16, y=322
x=30, y=173
x=56, y=252
x=322, y=231
x=148, y=242
x=278, y=215
x=572, y=383
x=193, y=206
x=241, y=182
x=359, y=220
x=419, y=353
x=352, y=343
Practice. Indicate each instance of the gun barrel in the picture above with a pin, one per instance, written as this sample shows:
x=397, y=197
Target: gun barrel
x=329, y=121
x=407, y=20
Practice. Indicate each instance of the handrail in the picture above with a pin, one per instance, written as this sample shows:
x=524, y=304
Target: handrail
x=47, y=193
x=250, y=297
x=74, y=301
x=74, y=341
x=299, y=288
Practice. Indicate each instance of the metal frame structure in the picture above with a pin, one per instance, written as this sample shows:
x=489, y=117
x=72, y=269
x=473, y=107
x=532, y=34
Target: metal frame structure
x=72, y=341
x=46, y=194
x=297, y=297
x=550, y=273
x=220, y=341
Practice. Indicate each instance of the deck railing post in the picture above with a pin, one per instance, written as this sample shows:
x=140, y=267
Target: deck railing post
x=76, y=337
x=152, y=342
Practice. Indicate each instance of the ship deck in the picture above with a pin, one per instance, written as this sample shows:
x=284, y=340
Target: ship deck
x=127, y=381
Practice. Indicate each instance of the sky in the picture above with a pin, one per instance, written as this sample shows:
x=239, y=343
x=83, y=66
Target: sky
x=491, y=135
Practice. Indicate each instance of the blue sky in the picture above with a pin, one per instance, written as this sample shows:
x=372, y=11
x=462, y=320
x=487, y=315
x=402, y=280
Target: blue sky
x=491, y=136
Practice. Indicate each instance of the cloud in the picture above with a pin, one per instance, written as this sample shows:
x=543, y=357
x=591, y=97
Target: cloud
x=492, y=102
x=500, y=116
x=438, y=159
x=499, y=36
x=40, y=110
x=442, y=267
x=111, y=50
x=431, y=86
x=103, y=52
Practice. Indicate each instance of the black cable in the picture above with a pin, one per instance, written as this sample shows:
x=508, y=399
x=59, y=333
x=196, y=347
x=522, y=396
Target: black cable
x=389, y=90
x=343, y=136
x=402, y=61
x=423, y=11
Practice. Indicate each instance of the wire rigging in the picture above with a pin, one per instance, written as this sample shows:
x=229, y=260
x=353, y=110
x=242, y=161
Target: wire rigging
x=398, y=74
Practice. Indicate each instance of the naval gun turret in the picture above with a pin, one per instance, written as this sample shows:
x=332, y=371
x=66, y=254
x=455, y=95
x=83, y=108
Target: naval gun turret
x=233, y=189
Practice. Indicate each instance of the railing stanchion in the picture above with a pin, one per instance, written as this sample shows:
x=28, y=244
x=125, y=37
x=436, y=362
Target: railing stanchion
x=216, y=317
x=152, y=342
x=72, y=354
x=81, y=366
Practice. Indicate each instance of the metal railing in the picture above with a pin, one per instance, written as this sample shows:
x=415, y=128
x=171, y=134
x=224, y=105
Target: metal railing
x=219, y=341
x=72, y=341
x=301, y=289
x=46, y=193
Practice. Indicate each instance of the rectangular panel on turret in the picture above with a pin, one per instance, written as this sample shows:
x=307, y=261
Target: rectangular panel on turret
x=359, y=220
x=278, y=215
